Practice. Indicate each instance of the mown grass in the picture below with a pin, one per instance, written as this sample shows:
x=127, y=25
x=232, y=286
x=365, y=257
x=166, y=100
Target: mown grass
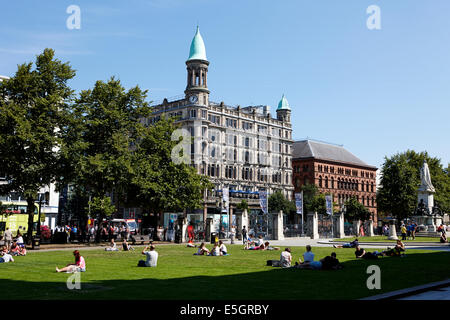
x=385, y=239
x=242, y=275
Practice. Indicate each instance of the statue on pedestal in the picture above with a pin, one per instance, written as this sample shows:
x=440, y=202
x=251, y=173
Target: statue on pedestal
x=425, y=179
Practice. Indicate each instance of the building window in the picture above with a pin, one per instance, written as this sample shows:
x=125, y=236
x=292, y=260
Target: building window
x=320, y=181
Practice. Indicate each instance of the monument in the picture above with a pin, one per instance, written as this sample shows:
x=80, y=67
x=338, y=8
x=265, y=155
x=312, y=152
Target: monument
x=427, y=214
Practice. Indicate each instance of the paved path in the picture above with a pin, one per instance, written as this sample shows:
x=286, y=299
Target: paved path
x=434, y=294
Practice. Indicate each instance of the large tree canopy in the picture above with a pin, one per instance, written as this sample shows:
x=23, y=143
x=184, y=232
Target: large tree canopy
x=159, y=183
x=400, y=179
x=34, y=107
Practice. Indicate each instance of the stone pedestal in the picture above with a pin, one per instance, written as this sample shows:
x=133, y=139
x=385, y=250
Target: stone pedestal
x=184, y=229
x=356, y=226
x=339, y=223
x=392, y=231
x=370, y=228
x=208, y=228
x=313, y=225
x=278, y=226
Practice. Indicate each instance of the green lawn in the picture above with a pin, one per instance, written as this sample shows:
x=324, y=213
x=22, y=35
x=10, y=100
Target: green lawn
x=242, y=275
x=385, y=239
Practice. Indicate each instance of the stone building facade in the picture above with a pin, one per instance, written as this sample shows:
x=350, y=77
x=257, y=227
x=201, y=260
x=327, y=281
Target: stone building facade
x=334, y=170
x=243, y=149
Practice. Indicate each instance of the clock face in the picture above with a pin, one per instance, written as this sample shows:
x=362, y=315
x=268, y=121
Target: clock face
x=193, y=99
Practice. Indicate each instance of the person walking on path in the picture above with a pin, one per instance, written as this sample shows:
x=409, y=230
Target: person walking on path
x=244, y=235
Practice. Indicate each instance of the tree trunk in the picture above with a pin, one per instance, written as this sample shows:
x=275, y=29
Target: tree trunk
x=30, y=212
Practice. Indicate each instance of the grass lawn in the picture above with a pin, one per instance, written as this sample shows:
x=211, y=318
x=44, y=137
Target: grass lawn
x=385, y=239
x=242, y=275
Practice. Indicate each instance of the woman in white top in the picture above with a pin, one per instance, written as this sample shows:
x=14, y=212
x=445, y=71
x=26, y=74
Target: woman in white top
x=215, y=251
x=222, y=248
x=112, y=247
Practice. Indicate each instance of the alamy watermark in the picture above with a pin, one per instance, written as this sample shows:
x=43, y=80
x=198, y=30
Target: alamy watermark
x=374, y=20
x=374, y=280
x=74, y=281
x=74, y=20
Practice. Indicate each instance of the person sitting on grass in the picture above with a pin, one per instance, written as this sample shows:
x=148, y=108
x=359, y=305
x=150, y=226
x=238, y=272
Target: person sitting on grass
x=151, y=255
x=19, y=239
x=286, y=258
x=352, y=244
x=222, y=248
x=22, y=250
x=14, y=251
x=126, y=246
x=202, y=250
x=4, y=251
x=112, y=246
x=215, y=250
x=78, y=266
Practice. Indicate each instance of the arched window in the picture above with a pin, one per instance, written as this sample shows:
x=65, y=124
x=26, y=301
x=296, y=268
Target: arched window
x=332, y=183
x=320, y=181
x=326, y=182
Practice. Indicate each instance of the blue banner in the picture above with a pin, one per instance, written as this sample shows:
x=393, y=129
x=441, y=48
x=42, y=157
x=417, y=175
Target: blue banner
x=299, y=202
x=263, y=201
x=329, y=204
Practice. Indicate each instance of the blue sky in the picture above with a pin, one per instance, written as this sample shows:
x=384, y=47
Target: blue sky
x=377, y=92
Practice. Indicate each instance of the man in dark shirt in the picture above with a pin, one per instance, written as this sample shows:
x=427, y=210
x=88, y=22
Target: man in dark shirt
x=330, y=262
x=361, y=253
x=244, y=235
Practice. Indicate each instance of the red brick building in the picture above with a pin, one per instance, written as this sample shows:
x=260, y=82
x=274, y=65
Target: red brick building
x=334, y=170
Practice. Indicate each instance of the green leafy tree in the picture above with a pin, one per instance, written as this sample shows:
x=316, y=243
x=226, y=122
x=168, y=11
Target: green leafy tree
x=277, y=202
x=159, y=183
x=34, y=108
x=313, y=200
x=400, y=179
x=98, y=146
x=243, y=205
x=355, y=210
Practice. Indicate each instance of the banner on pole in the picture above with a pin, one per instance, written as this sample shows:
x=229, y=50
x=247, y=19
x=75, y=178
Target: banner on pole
x=299, y=202
x=226, y=196
x=263, y=201
x=329, y=204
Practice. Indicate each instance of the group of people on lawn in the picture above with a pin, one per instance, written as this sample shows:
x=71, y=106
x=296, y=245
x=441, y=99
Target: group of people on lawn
x=328, y=263
x=14, y=246
x=113, y=246
x=219, y=249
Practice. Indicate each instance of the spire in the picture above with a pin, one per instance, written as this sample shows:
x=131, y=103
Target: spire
x=198, y=50
x=283, y=104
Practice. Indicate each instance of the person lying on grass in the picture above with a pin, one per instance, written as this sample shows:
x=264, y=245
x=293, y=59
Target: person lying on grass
x=352, y=244
x=6, y=258
x=78, y=266
x=363, y=254
x=328, y=263
x=263, y=246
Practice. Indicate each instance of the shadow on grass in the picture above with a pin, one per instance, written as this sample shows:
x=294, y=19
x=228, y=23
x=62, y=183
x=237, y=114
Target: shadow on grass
x=270, y=284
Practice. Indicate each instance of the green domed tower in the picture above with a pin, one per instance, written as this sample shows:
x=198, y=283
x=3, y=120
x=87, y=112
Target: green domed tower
x=197, y=92
x=284, y=110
